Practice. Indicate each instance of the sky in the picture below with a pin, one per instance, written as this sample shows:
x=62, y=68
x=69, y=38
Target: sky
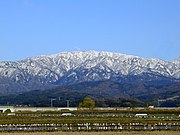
x=145, y=28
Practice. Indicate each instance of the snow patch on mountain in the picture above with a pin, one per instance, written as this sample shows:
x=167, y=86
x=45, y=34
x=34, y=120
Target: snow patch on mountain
x=78, y=66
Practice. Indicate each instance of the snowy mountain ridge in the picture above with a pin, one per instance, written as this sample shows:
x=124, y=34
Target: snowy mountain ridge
x=78, y=66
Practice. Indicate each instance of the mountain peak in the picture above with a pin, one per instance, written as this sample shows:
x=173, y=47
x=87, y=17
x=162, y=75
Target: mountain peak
x=88, y=53
x=80, y=66
x=177, y=61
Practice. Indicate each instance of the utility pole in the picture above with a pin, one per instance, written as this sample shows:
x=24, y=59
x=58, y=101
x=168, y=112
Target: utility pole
x=52, y=99
x=158, y=103
x=59, y=101
x=67, y=103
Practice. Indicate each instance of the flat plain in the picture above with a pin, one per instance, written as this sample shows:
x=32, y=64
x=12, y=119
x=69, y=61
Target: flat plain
x=98, y=133
x=92, y=122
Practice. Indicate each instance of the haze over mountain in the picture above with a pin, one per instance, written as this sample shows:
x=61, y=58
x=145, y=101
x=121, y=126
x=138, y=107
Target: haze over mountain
x=67, y=68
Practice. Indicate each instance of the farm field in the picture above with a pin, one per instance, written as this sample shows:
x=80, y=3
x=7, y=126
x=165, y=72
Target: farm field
x=100, y=133
x=81, y=121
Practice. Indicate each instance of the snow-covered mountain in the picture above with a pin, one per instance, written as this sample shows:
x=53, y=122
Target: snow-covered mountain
x=79, y=66
x=177, y=62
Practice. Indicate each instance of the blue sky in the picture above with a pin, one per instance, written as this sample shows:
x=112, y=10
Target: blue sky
x=146, y=28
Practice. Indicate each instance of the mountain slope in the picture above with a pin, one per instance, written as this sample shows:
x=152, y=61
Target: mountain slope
x=105, y=93
x=177, y=62
x=74, y=67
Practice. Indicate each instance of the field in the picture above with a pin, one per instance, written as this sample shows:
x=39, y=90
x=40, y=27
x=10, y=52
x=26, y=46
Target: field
x=91, y=121
x=99, y=133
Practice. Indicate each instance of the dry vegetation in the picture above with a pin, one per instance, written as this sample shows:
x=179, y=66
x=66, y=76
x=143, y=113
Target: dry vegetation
x=99, y=133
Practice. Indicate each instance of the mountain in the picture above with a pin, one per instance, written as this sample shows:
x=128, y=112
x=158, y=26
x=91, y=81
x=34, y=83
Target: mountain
x=67, y=68
x=105, y=94
x=177, y=62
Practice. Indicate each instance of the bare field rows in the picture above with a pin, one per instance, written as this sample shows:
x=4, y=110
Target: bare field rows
x=99, y=133
x=90, y=121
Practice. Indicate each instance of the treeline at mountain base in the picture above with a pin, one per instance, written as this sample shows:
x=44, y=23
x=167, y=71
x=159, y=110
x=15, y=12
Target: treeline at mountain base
x=104, y=93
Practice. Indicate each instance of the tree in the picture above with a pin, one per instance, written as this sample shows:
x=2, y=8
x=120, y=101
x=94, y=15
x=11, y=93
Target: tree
x=8, y=111
x=87, y=103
